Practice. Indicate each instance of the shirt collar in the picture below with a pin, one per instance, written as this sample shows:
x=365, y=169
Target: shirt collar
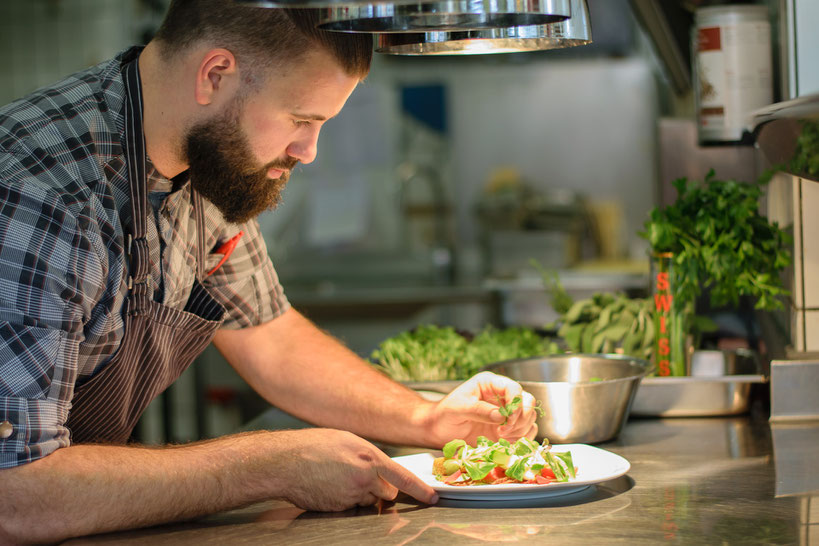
x=159, y=183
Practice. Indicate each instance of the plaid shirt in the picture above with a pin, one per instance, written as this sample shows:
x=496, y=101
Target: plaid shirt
x=64, y=198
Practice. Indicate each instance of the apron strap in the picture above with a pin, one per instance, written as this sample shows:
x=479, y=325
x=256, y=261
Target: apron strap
x=136, y=241
x=199, y=212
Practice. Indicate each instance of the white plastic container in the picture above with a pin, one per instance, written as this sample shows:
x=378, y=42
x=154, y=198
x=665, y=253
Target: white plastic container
x=732, y=65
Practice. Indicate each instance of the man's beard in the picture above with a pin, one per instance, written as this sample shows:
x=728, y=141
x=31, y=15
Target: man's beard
x=223, y=171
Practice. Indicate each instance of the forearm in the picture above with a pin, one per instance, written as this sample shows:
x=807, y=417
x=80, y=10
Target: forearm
x=87, y=489
x=314, y=377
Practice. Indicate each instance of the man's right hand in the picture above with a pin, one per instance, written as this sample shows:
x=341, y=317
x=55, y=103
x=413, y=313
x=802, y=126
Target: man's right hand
x=331, y=470
x=86, y=489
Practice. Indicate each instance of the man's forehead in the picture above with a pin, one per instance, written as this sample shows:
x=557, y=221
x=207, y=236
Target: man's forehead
x=311, y=92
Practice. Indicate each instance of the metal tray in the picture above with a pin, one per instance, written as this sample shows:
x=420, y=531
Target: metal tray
x=694, y=396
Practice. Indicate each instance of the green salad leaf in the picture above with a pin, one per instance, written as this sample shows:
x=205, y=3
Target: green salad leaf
x=511, y=407
x=508, y=409
x=522, y=461
x=452, y=447
x=517, y=470
x=434, y=353
x=478, y=470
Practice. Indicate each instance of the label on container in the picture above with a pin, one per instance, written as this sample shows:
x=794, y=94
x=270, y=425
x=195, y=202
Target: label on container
x=670, y=321
x=734, y=76
x=662, y=309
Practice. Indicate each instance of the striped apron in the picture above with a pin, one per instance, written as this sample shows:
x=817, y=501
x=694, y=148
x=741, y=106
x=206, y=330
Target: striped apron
x=159, y=342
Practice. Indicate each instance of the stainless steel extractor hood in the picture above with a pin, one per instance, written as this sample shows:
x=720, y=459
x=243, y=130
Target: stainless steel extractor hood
x=444, y=15
x=568, y=33
x=454, y=27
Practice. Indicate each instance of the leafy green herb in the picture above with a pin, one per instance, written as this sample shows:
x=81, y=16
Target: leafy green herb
x=513, y=405
x=427, y=353
x=805, y=160
x=560, y=299
x=721, y=243
x=510, y=408
x=432, y=353
x=495, y=345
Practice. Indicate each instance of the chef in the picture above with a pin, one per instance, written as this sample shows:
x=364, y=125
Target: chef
x=129, y=242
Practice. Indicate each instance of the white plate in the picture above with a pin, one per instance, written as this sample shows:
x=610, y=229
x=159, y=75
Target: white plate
x=594, y=465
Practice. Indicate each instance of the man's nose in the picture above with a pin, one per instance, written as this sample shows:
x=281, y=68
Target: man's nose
x=306, y=148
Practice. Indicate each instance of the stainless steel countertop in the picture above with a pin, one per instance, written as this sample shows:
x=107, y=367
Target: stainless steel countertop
x=695, y=481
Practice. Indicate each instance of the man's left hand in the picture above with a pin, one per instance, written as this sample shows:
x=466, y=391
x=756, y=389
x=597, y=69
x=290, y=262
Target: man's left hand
x=473, y=409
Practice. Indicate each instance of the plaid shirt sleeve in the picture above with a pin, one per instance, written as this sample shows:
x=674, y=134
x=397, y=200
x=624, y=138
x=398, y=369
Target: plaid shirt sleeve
x=51, y=270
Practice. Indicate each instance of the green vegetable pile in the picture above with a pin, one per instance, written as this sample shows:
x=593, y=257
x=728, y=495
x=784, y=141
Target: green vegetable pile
x=604, y=323
x=433, y=353
x=607, y=322
x=721, y=243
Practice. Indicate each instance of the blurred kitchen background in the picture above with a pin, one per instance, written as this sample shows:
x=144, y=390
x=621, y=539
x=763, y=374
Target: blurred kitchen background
x=444, y=176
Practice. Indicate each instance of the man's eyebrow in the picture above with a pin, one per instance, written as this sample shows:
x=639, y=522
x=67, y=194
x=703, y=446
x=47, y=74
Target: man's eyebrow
x=315, y=117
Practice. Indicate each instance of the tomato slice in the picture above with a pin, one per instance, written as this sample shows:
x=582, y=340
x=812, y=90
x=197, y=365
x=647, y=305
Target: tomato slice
x=542, y=480
x=452, y=477
x=548, y=473
x=497, y=473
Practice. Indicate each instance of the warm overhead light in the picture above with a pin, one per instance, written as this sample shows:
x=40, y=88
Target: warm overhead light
x=444, y=15
x=314, y=3
x=568, y=33
x=454, y=27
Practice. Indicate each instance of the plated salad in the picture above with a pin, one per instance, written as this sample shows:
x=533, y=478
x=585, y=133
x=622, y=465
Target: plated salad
x=525, y=461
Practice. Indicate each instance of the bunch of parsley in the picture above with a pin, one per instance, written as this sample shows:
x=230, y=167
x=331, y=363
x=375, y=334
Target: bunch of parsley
x=721, y=243
x=806, y=157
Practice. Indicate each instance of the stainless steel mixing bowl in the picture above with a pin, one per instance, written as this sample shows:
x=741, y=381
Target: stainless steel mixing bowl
x=585, y=398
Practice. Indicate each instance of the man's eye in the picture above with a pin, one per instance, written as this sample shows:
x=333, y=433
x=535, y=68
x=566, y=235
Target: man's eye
x=301, y=122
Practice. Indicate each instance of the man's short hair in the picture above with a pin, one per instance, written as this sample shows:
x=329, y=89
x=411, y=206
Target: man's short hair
x=259, y=37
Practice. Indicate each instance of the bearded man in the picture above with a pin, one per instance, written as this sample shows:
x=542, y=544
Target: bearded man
x=128, y=243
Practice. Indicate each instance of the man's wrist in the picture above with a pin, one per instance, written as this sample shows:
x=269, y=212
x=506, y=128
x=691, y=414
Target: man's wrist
x=424, y=419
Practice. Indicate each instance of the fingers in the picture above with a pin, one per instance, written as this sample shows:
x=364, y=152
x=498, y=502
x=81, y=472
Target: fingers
x=368, y=500
x=384, y=490
x=404, y=480
x=514, y=435
x=523, y=422
x=493, y=387
x=525, y=416
x=500, y=390
x=483, y=412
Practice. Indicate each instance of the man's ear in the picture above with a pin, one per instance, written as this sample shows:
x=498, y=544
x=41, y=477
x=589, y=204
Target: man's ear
x=212, y=77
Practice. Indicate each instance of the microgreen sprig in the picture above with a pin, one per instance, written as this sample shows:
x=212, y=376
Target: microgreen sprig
x=508, y=409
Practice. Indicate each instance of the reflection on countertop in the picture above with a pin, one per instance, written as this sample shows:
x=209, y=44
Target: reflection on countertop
x=695, y=481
